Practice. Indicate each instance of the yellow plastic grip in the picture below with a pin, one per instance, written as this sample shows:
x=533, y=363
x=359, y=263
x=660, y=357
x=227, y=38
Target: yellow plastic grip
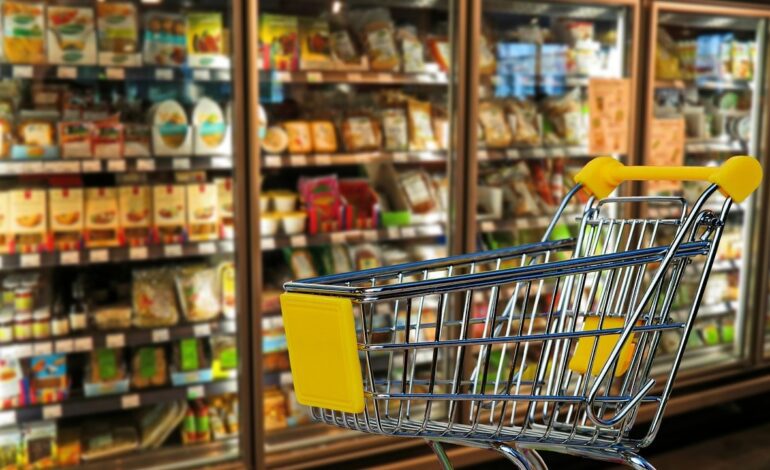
x=737, y=178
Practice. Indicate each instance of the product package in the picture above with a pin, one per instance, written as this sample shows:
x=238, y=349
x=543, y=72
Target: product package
x=112, y=317
x=169, y=213
x=5, y=222
x=165, y=39
x=48, y=381
x=211, y=130
x=102, y=439
x=105, y=373
x=395, y=129
x=10, y=447
x=191, y=364
x=158, y=422
x=418, y=190
x=366, y=256
x=279, y=42
x=36, y=136
x=315, y=45
x=324, y=136
x=108, y=139
x=75, y=139
x=199, y=292
x=101, y=227
x=71, y=35
x=411, y=50
x=134, y=205
x=276, y=140
x=202, y=212
x=321, y=197
x=224, y=356
x=225, y=209
x=300, y=139
x=361, y=208
x=420, y=129
x=23, y=32
x=379, y=38
x=148, y=367
x=360, y=132
x=136, y=140
x=496, y=131
x=154, y=298
x=205, y=44
x=39, y=444
x=29, y=224
x=66, y=214
x=345, y=53
x=171, y=133
x=118, y=34
x=226, y=272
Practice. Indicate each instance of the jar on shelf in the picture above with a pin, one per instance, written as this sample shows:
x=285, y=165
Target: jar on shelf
x=9, y=295
x=6, y=325
x=22, y=326
x=60, y=323
x=41, y=324
x=23, y=300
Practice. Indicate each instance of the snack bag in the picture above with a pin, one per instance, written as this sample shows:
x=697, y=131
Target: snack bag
x=154, y=299
x=165, y=36
x=23, y=32
x=199, y=293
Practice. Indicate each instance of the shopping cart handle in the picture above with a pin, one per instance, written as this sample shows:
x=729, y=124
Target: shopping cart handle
x=737, y=178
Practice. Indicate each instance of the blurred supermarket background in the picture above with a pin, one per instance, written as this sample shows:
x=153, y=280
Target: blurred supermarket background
x=167, y=165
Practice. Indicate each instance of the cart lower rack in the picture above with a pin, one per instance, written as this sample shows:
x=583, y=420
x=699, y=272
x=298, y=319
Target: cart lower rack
x=561, y=336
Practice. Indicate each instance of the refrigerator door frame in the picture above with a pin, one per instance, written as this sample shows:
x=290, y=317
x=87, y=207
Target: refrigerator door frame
x=749, y=281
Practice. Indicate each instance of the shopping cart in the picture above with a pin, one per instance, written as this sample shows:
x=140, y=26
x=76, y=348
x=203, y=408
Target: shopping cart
x=544, y=346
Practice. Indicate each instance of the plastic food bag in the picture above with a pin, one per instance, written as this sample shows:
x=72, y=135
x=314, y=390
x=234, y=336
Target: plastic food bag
x=198, y=292
x=154, y=300
x=149, y=367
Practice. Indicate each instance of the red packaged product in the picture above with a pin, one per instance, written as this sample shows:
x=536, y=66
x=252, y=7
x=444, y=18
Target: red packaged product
x=321, y=197
x=361, y=205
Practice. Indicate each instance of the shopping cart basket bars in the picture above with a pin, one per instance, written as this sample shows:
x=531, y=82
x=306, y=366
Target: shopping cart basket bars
x=552, y=345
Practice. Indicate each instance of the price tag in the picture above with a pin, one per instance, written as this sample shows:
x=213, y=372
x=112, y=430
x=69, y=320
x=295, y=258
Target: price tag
x=323, y=159
x=61, y=167
x=23, y=350
x=393, y=233
x=84, y=344
x=22, y=71
x=65, y=346
x=222, y=162
x=222, y=75
x=145, y=164
x=273, y=161
x=67, y=72
x=338, y=238
x=315, y=77
x=282, y=76
x=92, y=166
x=512, y=153
x=115, y=73
x=400, y=157
x=129, y=401
x=117, y=340
x=385, y=77
x=195, y=391
x=286, y=379
x=268, y=243
x=171, y=251
x=52, y=412
x=203, y=329
x=355, y=77
x=181, y=164
x=40, y=349
x=137, y=252
x=487, y=226
x=69, y=257
x=408, y=232
x=425, y=78
x=227, y=246
x=7, y=417
x=99, y=256
x=116, y=165
x=202, y=74
x=298, y=241
x=371, y=235
x=31, y=260
x=298, y=160
x=160, y=335
x=482, y=155
x=207, y=248
x=538, y=152
x=164, y=74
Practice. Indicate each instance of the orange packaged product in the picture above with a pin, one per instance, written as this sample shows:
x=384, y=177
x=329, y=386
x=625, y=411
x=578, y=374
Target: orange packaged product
x=419, y=192
x=421, y=135
x=6, y=138
x=29, y=220
x=169, y=213
x=135, y=217
x=496, y=130
x=324, y=136
x=23, y=32
x=300, y=140
x=361, y=133
x=65, y=210
x=101, y=218
x=202, y=214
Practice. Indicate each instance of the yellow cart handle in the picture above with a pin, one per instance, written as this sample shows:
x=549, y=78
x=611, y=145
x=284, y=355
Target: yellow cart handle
x=737, y=178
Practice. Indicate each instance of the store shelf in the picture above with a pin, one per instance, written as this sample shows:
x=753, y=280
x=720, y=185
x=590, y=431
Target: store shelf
x=115, y=339
x=358, y=158
x=114, y=255
x=116, y=165
x=203, y=454
x=523, y=223
x=705, y=84
x=710, y=311
x=355, y=77
x=714, y=145
x=104, y=73
x=89, y=406
x=354, y=236
x=570, y=81
x=537, y=153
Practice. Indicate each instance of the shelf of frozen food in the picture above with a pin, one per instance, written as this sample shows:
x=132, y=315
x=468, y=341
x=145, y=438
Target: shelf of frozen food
x=524, y=222
x=113, y=255
x=713, y=310
x=353, y=236
x=203, y=454
x=96, y=72
x=714, y=145
x=556, y=10
x=113, y=165
x=570, y=81
x=355, y=77
x=555, y=151
x=705, y=84
x=358, y=158
x=115, y=339
x=90, y=406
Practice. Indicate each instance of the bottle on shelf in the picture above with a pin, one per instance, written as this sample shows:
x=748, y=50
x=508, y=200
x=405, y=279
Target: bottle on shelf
x=78, y=315
x=60, y=325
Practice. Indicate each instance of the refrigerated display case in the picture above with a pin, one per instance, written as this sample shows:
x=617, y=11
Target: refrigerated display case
x=121, y=194
x=705, y=101
x=358, y=138
x=556, y=85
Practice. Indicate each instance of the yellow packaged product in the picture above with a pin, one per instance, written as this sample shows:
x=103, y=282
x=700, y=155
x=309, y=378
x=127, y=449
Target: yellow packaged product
x=29, y=221
x=23, y=32
x=66, y=217
x=5, y=222
x=202, y=212
x=225, y=206
x=360, y=133
x=496, y=130
x=101, y=228
x=421, y=135
x=300, y=140
x=135, y=216
x=324, y=136
x=169, y=213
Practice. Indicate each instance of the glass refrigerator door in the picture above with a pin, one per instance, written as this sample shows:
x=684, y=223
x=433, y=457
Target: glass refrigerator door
x=555, y=89
x=703, y=107
x=118, y=315
x=356, y=101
